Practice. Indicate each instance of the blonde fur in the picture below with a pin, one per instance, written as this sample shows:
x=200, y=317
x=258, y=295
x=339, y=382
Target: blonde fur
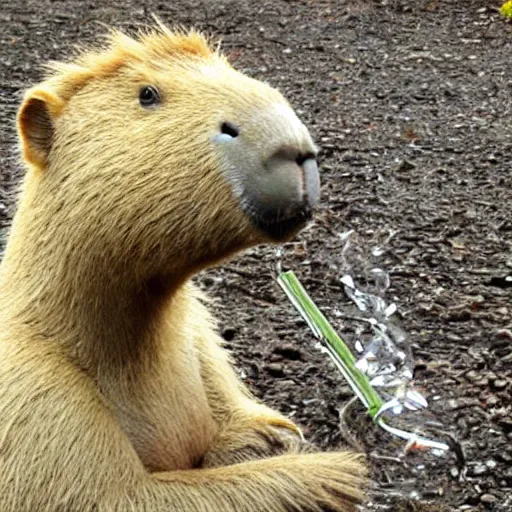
x=114, y=385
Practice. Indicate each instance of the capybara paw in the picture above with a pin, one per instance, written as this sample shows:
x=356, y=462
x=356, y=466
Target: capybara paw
x=335, y=482
x=260, y=441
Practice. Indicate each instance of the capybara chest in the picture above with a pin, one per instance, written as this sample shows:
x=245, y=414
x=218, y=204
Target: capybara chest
x=169, y=423
x=177, y=440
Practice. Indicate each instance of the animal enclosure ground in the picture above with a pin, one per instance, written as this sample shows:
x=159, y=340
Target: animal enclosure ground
x=411, y=104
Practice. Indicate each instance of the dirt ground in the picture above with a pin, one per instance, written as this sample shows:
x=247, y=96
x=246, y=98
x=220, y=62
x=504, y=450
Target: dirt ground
x=411, y=104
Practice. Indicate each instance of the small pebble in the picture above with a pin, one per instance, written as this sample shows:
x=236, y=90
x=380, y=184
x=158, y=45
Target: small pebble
x=504, y=333
x=479, y=470
x=462, y=403
x=414, y=495
x=488, y=499
x=500, y=384
x=275, y=369
x=491, y=464
x=473, y=376
x=492, y=401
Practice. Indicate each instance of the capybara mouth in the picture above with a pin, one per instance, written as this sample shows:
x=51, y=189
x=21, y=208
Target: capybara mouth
x=278, y=227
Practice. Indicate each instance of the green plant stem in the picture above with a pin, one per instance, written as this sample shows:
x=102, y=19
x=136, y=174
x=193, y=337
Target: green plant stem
x=346, y=362
x=340, y=353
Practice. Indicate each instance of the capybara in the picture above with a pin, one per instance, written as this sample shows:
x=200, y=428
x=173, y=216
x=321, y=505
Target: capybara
x=148, y=160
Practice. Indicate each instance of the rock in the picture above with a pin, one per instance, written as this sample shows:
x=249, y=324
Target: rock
x=504, y=333
x=462, y=403
x=473, y=376
x=454, y=472
x=500, y=384
x=488, y=499
x=491, y=464
x=479, y=470
x=275, y=369
x=492, y=401
x=483, y=383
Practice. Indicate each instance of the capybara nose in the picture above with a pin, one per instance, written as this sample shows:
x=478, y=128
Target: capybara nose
x=282, y=196
x=309, y=166
x=294, y=180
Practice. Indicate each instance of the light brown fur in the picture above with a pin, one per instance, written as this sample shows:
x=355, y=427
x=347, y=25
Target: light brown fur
x=113, y=382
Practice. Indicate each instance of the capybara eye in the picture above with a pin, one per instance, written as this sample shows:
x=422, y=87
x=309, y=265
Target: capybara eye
x=229, y=129
x=149, y=95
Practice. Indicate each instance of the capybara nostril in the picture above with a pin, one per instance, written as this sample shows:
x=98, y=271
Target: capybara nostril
x=229, y=129
x=303, y=157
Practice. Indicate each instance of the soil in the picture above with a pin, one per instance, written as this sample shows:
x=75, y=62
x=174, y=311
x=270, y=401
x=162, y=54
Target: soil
x=411, y=105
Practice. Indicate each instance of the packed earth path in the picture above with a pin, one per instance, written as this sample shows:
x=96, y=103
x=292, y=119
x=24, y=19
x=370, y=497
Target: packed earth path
x=411, y=105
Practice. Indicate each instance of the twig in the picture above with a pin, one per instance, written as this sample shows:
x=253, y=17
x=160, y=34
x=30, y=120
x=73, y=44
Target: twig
x=345, y=429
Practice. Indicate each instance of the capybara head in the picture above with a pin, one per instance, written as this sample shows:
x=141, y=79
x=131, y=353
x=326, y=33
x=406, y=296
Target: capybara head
x=156, y=149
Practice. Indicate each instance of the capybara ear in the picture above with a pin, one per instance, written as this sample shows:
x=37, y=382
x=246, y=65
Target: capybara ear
x=36, y=121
